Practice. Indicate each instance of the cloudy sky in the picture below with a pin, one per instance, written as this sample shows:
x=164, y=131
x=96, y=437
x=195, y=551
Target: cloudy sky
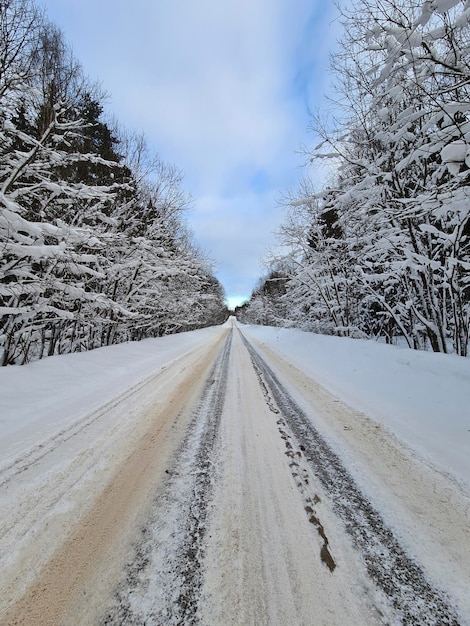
x=221, y=89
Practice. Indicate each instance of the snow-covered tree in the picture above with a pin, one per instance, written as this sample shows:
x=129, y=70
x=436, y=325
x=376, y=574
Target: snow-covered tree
x=420, y=77
x=267, y=305
x=400, y=195
x=92, y=251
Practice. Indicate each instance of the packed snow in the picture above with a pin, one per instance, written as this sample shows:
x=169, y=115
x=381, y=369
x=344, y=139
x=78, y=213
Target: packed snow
x=138, y=440
x=421, y=397
x=41, y=398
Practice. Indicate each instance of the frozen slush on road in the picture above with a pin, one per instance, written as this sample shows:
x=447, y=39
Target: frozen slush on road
x=236, y=475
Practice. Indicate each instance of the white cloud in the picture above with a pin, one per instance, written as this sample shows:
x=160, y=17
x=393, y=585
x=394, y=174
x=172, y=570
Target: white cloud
x=210, y=88
x=237, y=232
x=220, y=89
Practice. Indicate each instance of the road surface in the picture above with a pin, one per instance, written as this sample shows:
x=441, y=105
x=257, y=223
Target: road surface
x=228, y=488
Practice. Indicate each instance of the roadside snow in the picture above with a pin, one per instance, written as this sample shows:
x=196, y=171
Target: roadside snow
x=422, y=397
x=41, y=398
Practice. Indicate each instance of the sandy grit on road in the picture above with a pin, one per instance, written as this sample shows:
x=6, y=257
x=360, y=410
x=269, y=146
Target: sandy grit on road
x=229, y=488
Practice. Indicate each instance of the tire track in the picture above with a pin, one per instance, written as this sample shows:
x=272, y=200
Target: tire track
x=163, y=582
x=35, y=454
x=72, y=557
x=414, y=600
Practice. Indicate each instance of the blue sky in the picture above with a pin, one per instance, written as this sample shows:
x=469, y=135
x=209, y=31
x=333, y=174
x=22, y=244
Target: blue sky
x=221, y=89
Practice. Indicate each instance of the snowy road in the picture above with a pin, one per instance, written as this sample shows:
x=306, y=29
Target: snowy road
x=230, y=488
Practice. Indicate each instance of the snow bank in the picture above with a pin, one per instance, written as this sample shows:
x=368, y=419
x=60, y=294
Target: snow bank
x=422, y=397
x=43, y=397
